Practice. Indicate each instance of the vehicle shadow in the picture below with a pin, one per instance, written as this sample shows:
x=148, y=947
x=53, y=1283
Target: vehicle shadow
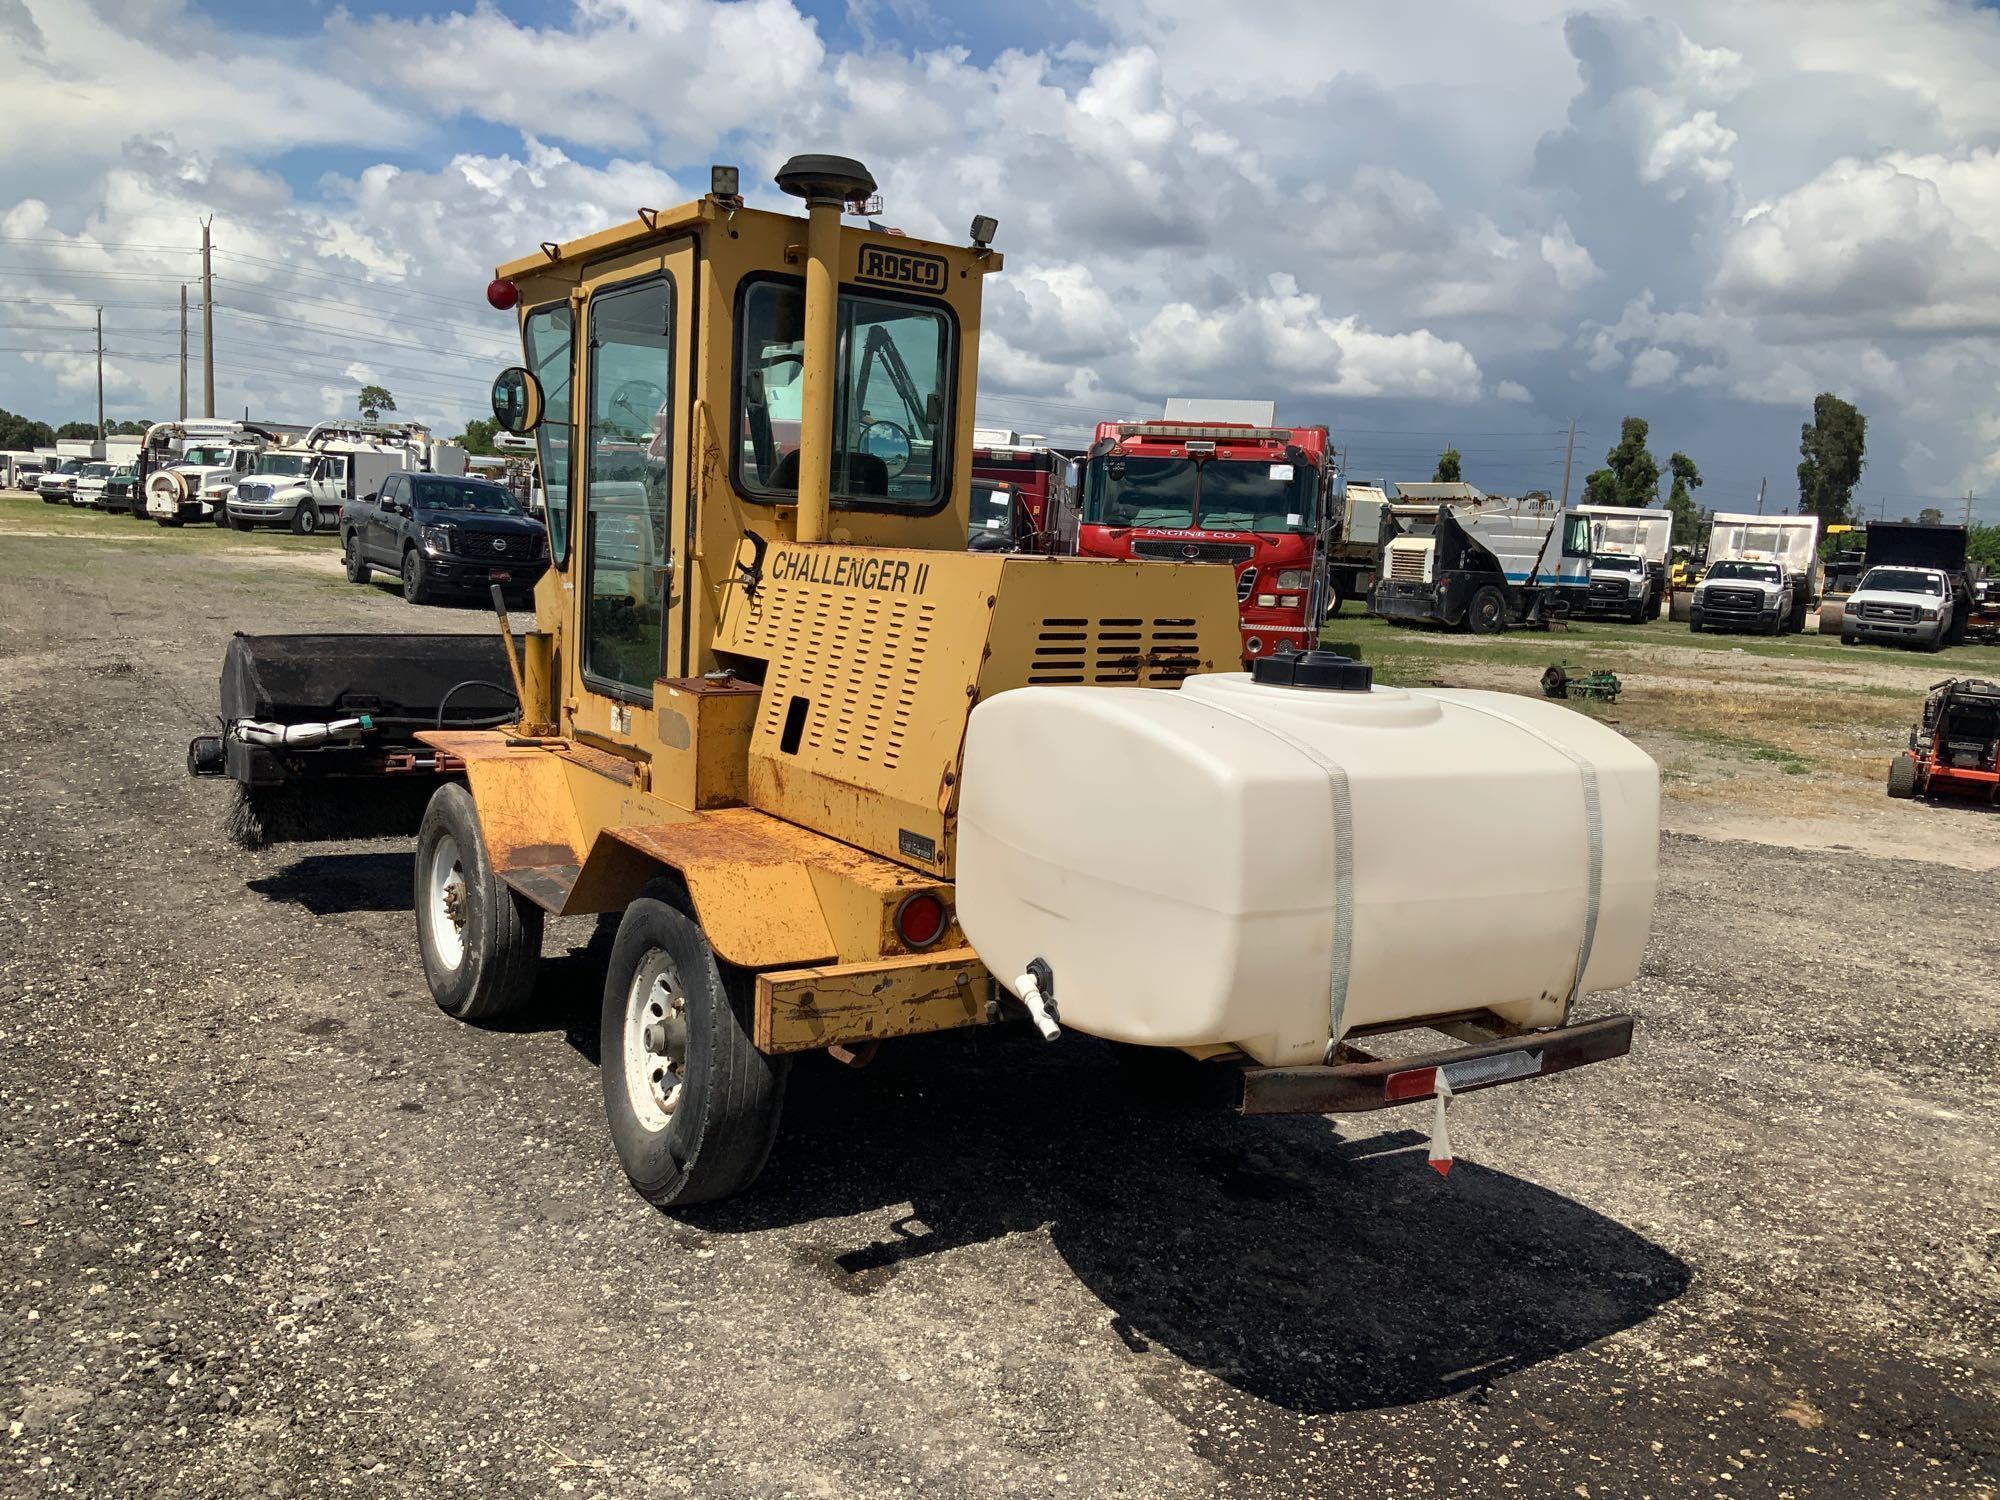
x=1313, y=1271
x=326, y=884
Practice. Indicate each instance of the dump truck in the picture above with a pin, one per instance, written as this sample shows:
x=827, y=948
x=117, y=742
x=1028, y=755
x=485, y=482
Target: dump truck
x=1901, y=548
x=1220, y=481
x=1471, y=561
x=839, y=780
x=1789, y=542
x=1622, y=531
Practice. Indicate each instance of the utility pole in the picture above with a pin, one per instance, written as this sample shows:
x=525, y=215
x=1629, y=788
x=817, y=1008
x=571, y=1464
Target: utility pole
x=1568, y=454
x=100, y=375
x=207, y=325
x=184, y=351
x=1760, y=495
x=1968, y=510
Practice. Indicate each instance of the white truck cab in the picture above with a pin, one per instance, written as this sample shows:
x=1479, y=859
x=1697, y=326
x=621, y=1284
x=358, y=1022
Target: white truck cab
x=1737, y=594
x=1910, y=606
x=1620, y=585
x=202, y=461
x=305, y=487
x=58, y=481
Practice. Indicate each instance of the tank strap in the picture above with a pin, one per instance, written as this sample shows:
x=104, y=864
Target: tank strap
x=1593, y=820
x=1343, y=867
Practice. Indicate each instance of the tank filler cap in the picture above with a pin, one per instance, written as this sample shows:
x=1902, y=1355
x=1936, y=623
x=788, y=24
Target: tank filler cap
x=826, y=179
x=1315, y=669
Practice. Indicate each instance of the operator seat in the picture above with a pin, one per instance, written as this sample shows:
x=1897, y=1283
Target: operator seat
x=866, y=474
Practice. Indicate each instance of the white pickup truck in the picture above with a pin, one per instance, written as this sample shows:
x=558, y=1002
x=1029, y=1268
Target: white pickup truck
x=1909, y=606
x=1736, y=594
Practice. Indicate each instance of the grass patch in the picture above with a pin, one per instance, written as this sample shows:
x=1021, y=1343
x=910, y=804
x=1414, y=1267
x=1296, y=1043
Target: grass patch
x=25, y=513
x=1789, y=761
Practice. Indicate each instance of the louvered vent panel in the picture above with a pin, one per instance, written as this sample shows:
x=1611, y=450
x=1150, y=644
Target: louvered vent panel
x=1112, y=650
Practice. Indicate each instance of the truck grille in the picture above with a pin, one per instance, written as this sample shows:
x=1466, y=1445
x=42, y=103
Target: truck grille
x=475, y=543
x=1167, y=549
x=253, y=491
x=1611, y=588
x=1079, y=649
x=1901, y=613
x=1744, y=599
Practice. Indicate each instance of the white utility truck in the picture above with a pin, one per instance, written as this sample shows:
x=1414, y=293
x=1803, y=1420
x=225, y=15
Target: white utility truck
x=192, y=465
x=1907, y=606
x=304, y=487
x=1619, y=531
x=1482, y=562
x=1746, y=598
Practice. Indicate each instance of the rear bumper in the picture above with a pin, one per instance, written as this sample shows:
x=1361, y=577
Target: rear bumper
x=1361, y=1085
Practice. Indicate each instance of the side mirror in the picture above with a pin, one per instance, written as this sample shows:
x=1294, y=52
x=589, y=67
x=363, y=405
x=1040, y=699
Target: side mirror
x=517, y=401
x=369, y=498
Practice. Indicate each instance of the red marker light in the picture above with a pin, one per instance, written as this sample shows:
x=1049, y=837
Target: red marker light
x=920, y=920
x=502, y=293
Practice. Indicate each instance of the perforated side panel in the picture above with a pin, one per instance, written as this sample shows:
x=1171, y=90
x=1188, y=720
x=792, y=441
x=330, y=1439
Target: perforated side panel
x=1134, y=650
x=857, y=661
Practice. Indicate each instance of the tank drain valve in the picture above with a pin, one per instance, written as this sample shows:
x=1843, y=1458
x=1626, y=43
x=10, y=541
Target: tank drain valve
x=1037, y=989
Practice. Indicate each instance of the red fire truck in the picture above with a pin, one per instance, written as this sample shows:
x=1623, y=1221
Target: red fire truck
x=1023, y=494
x=1217, y=481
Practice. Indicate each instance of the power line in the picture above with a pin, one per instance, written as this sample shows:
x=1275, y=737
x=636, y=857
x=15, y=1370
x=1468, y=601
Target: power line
x=14, y=239
x=341, y=333
x=382, y=282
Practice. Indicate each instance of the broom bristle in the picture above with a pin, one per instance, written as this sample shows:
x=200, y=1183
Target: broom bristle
x=325, y=812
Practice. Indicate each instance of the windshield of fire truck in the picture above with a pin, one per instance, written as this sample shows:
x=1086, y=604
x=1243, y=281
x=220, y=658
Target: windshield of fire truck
x=1178, y=494
x=1236, y=496
x=1140, y=492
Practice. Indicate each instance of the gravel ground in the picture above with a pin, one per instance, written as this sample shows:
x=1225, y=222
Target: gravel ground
x=275, y=1226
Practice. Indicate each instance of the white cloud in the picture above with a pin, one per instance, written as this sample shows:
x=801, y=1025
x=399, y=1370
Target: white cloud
x=1651, y=367
x=1512, y=390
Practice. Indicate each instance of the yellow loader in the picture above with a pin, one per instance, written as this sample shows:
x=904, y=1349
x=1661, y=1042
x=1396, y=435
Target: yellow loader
x=809, y=748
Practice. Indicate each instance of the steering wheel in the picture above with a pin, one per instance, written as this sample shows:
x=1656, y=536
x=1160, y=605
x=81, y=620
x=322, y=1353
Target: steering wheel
x=639, y=399
x=889, y=442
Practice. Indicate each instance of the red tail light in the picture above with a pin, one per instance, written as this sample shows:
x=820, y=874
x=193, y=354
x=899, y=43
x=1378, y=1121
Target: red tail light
x=1417, y=1083
x=920, y=920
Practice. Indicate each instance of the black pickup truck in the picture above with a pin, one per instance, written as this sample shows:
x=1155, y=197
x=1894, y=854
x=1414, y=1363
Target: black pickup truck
x=443, y=535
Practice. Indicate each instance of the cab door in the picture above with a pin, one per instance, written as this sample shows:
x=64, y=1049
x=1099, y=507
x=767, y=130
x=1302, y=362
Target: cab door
x=628, y=568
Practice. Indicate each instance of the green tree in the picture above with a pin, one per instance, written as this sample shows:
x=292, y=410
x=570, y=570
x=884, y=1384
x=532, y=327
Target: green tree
x=1600, y=487
x=374, y=400
x=1930, y=515
x=129, y=428
x=1831, y=446
x=1983, y=546
x=1448, y=467
x=74, y=430
x=478, y=436
x=1680, y=499
x=18, y=433
x=1634, y=476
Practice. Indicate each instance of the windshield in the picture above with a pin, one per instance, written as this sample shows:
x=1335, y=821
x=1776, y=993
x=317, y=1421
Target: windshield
x=1903, y=581
x=282, y=463
x=97, y=471
x=1615, y=563
x=1180, y=494
x=206, y=458
x=1757, y=572
x=892, y=397
x=482, y=496
x=992, y=512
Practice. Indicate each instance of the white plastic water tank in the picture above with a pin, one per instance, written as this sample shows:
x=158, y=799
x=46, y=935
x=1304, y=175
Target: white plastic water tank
x=1238, y=863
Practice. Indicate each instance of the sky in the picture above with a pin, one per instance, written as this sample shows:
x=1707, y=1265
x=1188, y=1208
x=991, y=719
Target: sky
x=1467, y=222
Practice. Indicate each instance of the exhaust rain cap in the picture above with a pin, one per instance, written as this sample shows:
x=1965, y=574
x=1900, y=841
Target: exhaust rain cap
x=1315, y=669
x=826, y=179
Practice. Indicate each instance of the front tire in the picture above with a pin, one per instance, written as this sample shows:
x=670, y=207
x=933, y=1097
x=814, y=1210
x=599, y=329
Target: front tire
x=305, y=520
x=239, y=525
x=1903, y=776
x=416, y=583
x=1487, y=613
x=481, y=942
x=692, y=1105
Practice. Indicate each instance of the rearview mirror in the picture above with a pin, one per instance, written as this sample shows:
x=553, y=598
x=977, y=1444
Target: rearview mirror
x=517, y=401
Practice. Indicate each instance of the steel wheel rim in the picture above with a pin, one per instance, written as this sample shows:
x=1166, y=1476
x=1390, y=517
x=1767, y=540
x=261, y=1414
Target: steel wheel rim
x=445, y=893
x=655, y=1041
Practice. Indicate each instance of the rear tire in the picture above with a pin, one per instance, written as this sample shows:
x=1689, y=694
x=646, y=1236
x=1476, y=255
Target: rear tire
x=481, y=943
x=1487, y=613
x=350, y=554
x=1903, y=775
x=692, y=1105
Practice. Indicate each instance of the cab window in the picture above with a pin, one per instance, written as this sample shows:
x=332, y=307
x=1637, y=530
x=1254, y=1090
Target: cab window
x=546, y=338
x=1576, y=536
x=627, y=478
x=892, y=398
